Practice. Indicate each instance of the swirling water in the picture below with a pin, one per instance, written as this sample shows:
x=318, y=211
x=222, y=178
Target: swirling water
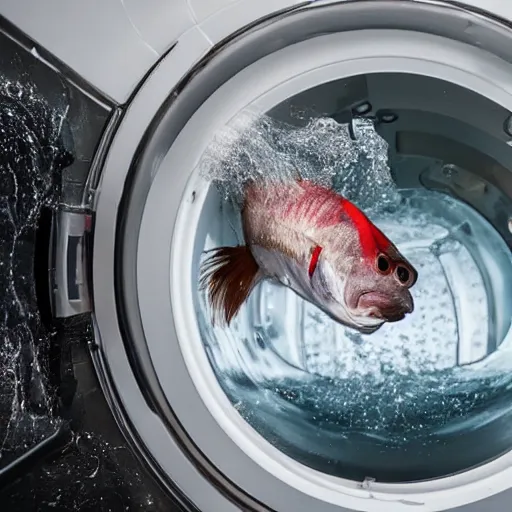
x=421, y=398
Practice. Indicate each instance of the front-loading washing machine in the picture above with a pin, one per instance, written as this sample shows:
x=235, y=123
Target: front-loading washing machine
x=127, y=131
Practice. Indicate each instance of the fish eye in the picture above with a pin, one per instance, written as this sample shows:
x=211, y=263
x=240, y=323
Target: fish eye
x=403, y=274
x=383, y=264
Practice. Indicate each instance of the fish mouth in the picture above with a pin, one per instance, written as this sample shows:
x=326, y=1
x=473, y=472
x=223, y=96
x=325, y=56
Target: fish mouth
x=385, y=307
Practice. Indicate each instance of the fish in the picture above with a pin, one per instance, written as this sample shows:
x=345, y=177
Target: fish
x=319, y=244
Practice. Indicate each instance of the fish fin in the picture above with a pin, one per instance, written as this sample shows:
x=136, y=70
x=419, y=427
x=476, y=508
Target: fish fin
x=322, y=278
x=316, y=250
x=229, y=275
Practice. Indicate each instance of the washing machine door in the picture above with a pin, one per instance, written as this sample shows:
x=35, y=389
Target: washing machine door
x=402, y=106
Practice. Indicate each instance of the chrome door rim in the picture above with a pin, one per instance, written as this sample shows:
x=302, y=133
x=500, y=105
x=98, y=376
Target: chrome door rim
x=106, y=306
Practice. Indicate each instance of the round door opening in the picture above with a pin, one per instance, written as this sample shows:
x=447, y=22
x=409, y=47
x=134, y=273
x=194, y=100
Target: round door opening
x=421, y=398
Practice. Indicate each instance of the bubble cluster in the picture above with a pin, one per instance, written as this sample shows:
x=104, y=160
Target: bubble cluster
x=351, y=158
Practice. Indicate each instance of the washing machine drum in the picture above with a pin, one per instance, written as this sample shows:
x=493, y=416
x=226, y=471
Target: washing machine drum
x=404, y=108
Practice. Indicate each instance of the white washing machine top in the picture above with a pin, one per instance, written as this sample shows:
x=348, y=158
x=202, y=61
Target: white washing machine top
x=113, y=43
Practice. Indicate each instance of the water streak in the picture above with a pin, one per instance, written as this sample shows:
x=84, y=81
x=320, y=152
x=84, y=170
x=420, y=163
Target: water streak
x=29, y=168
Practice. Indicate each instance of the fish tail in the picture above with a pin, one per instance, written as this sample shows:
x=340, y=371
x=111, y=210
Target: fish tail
x=229, y=275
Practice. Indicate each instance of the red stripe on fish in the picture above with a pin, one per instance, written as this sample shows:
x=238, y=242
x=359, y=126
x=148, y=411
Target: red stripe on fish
x=325, y=208
x=318, y=205
x=371, y=238
x=313, y=262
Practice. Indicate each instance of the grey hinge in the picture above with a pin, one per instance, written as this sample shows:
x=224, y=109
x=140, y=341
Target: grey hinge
x=69, y=276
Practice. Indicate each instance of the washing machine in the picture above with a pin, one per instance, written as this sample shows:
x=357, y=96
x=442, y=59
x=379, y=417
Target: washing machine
x=127, y=129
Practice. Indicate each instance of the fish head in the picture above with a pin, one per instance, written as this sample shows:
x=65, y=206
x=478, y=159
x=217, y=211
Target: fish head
x=377, y=289
x=364, y=278
x=364, y=287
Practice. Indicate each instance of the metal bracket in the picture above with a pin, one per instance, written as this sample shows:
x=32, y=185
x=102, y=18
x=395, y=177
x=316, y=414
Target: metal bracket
x=69, y=276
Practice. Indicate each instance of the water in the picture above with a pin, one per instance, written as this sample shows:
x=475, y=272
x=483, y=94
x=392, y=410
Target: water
x=324, y=151
x=97, y=470
x=33, y=155
x=420, y=398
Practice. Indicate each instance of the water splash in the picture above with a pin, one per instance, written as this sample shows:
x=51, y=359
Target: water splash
x=31, y=158
x=37, y=367
x=396, y=405
x=253, y=146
